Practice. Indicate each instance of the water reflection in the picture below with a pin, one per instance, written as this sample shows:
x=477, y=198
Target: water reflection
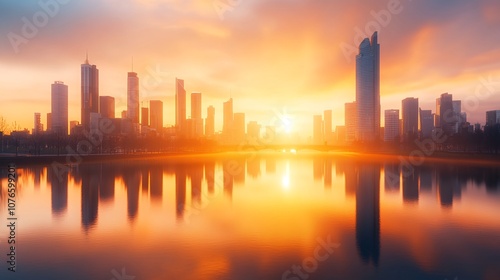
x=391, y=215
x=368, y=212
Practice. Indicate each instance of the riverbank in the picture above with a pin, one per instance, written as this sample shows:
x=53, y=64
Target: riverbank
x=405, y=157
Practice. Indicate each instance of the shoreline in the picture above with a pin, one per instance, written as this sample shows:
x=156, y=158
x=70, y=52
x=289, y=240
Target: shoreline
x=365, y=155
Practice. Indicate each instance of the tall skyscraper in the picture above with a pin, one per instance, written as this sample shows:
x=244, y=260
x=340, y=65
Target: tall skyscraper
x=107, y=106
x=445, y=118
x=133, y=97
x=196, y=115
x=391, y=127
x=38, y=127
x=90, y=92
x=410, y=118
x=253, y=131
x=180, y=106
x=318, y=130
x=210, y=122
x=426, y=123
x=156, y=112
x=227, y=125
x=59, y=108
x=144, y=116
x=368, y=90
x=350, y=121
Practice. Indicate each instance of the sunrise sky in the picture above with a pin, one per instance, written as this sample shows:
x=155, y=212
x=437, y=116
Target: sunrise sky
x=267, y=55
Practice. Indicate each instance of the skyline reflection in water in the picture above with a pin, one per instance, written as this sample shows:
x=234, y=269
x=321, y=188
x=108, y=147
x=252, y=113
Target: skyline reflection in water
x=254, y=217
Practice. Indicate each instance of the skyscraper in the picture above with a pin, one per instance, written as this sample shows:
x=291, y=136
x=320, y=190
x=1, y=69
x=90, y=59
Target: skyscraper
x=426, y=123
x=227, y=125
x=49, y=121
x=445, y=118
x=133, y=97
x=410, y=118
x=107, y=106
x=196, y=115
x=368, y=90
x=210, y=122
x=38, y=127
x=391, y=127
x=144, y=116
x=492, y=117
x=156, y=112
x=180, y=106
x=90, y=92
x=59, y=108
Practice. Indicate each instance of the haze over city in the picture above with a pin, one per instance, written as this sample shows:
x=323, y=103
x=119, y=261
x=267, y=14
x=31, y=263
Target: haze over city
x=266, y=55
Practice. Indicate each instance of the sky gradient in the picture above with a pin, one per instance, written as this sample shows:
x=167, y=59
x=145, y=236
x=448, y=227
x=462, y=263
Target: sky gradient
x=268, y=55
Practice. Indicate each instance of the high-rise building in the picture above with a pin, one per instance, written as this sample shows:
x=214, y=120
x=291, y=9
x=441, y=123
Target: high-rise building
x=426, y=123
x=59, y=108
x=144, y=116
x=38, y=127
x=391, y=127
x=239, y=128
x=156, y=112
x=196, y=114
x=318, y=130
x=328, y=125
x=107, y=106
x=350, y=121
x=210, y=122
x=410, y=118
x=133, y=97
x=124, y=114
x=445, y=116
x=72, y=126
x=90, y=92
x=492, y=117
x=49, y=121
x=180, y=106
x=227, y=125
x=368, y=90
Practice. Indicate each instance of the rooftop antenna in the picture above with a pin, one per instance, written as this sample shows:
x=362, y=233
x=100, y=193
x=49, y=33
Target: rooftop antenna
x=132, y=64
x=86, y=57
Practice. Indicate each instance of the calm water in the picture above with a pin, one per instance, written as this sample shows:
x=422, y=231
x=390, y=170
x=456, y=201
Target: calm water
x=287, y=216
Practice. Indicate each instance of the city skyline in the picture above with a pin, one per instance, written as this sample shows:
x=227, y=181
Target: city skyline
x=320, y=77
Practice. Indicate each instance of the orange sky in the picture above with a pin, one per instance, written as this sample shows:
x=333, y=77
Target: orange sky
x=267, y=54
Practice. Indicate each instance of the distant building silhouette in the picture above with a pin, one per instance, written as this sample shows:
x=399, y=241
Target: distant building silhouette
x=327, y=126
x=38, y=126
x=227, y=124
x=425, y=123
x=445, y=118
x=210, y=122
x=197, y=125
x=391, y=125
x=90, y=92
x=107, y=106
x=410, y=118
x=59, y=108
x=350, y=122
x=156, y=115
x=492, y=117
x=368, y=90
x=180, y=107
x=133, y=97
x=144, y=116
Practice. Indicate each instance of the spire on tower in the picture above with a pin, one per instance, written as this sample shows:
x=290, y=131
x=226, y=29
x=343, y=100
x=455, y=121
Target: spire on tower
x=86, y=57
